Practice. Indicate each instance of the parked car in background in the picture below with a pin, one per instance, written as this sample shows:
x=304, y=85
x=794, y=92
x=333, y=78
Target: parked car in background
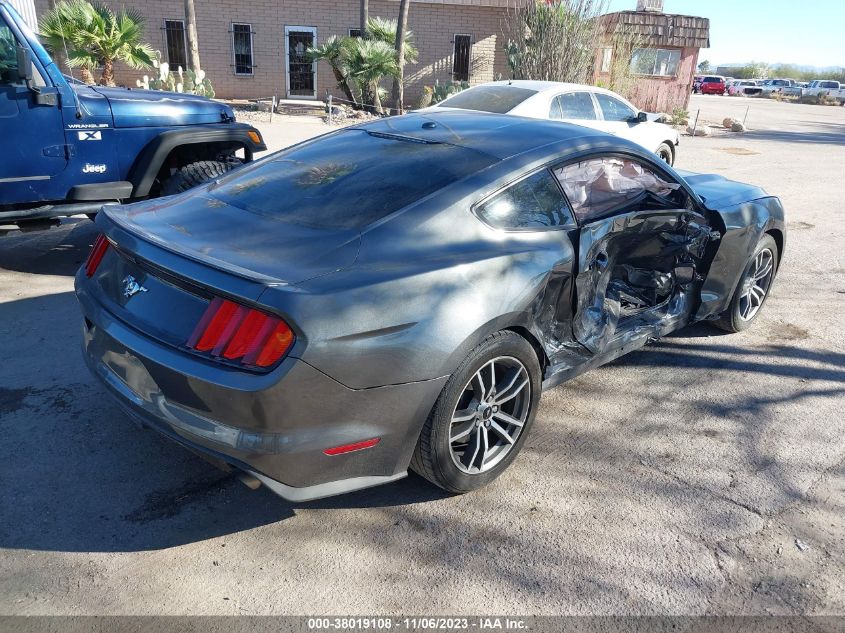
x=746, y=87
x=322, y=323
x=713, y=85
x=68, y=148
x=795, y=90
x=589, y=106
x=826, y=88
x=768, y=86
x=822, y=86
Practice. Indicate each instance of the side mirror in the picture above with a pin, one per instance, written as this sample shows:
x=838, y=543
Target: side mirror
x=642, y=117
x=24, y=64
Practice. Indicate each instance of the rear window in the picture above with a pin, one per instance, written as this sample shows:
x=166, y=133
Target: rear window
x=712, y=80
x=498, y=99
x=346, y=180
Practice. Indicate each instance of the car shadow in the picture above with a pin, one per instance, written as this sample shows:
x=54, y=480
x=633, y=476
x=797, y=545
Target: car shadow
x=58, y=250
x=77, y=476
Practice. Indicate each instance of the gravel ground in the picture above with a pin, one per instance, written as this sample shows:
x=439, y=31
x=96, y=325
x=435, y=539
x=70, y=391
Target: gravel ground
x=702, y=475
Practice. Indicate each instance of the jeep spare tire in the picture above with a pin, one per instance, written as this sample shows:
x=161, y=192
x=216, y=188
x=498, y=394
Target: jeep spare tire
x=194, y=174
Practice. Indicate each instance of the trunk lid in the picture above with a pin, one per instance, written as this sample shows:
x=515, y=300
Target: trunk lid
x=263, y=248
x=145, y=297
x=170, y=257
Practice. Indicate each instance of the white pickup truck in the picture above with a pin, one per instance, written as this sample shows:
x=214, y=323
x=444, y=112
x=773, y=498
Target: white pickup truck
x=783, y=86
x=822, y=86
x=825, y=87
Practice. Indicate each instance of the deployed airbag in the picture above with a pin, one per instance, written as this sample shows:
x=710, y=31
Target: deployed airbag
x=595, y=187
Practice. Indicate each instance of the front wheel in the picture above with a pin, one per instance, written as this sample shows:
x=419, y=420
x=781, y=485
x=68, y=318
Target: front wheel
x=751, y=294
x=482, y=416
x=194, y=174
x=666, y=153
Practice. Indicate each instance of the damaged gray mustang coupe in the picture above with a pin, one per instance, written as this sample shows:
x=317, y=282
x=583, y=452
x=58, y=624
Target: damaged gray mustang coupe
x=398, y=294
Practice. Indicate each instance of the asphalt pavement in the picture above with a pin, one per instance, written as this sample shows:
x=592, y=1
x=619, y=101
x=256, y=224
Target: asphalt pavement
x=704, y=474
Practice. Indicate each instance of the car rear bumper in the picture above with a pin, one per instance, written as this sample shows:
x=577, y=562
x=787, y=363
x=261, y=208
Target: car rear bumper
x=275, y=426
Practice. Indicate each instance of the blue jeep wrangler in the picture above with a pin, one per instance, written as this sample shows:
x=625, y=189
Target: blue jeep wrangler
x=68, y=148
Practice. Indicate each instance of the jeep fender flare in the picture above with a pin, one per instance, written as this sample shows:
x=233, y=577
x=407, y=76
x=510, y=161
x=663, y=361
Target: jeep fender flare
x=146, y=167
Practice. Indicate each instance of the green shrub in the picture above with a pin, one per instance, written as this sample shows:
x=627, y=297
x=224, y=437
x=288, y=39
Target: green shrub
x=679, y=117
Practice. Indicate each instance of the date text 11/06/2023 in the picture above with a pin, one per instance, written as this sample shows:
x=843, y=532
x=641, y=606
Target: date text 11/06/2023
x=417, y=623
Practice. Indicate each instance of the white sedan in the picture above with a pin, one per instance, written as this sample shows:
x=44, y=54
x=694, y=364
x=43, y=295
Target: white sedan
x=573, y=103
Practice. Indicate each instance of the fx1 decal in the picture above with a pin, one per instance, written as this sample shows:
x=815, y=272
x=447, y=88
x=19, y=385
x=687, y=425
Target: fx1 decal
x=93, y=169
x=90, y=136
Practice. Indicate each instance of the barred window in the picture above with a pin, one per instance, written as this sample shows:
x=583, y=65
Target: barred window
x=461, y=58
x=242, y=47
x=174, y=37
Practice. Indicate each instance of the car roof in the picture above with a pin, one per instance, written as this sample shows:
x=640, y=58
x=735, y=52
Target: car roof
x=547, y=86
x=499, y=135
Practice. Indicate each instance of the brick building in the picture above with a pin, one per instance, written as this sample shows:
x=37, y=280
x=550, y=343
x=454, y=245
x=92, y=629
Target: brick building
x=664, y=56
x=253, y=49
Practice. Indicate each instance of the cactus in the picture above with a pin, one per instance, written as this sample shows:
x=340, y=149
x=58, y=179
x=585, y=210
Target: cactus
x=183, y=80
x=442, y=91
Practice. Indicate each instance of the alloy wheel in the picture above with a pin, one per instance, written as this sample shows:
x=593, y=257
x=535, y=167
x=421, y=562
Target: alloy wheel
x=490, y=415
x=756, y=284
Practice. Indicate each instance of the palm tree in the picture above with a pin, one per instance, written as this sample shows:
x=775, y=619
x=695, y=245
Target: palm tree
x=365, y=17
x=61, y=31
x=191, y=28
x=97, y=36
x=386, y=30
x=332, y=51
x=369, y=61
x=401, y=35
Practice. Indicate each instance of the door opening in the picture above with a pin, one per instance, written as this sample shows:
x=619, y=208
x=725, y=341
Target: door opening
x=301, y=72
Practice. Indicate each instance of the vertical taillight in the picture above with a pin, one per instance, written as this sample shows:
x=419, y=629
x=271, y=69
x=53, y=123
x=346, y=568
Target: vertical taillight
x=101, y=245
x=234, y=332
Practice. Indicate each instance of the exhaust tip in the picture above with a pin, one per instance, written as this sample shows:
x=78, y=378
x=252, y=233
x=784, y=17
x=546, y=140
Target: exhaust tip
x=250, y=481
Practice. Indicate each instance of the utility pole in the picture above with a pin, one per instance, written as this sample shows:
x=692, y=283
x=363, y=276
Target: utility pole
x=193, y=45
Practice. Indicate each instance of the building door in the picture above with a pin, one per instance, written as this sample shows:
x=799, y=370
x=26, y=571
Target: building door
x=301, y=72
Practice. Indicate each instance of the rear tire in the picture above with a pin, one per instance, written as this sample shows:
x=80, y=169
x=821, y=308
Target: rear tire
x=464, y=444
x=747, y=301
x=194, y=174
x=666, y=153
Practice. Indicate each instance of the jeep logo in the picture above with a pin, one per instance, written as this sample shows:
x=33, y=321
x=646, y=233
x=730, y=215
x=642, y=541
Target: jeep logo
x=93, y=169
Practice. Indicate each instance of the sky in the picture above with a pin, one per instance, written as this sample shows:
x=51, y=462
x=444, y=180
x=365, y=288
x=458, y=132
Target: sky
x=806, y=32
